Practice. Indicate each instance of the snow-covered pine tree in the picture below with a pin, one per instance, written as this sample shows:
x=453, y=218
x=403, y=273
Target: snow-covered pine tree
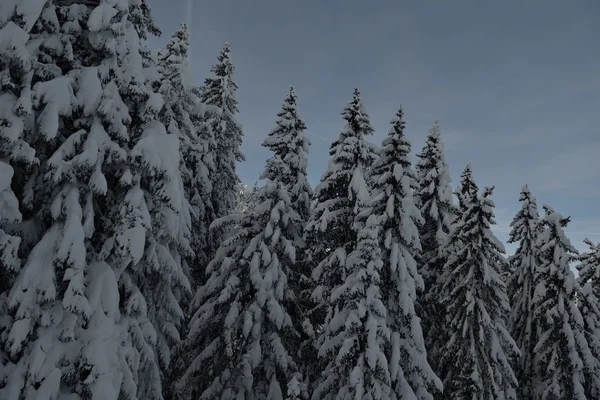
x=434, y=199
x=156, y=208
x=180, y=102
x=466, y=190
x=14, y=67
x=289, y=142
x=476, y=346
x=243, y=341
x=356, y=337
x=562, y=356
x=393, y=204
x=68, y=336
x=221, y=107
x=330, y=232
x=15, y=159
x=201, y=165
x=526, y=227
x=588, y=304
x=9, y=258
x=589, y=267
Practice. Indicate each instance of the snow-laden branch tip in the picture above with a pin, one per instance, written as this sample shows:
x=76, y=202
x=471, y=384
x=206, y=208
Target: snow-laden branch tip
x=226, y=220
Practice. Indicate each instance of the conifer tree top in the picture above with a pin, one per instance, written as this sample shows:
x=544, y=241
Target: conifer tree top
x=432, y=166
x=172, y=65
x=392, y=177
x=525, y=217
x=433, y=146
x=288, y=141
x=433, y=150
x=179, y=43
x=288, y=134
x=356, y=115
x=349, y=148
x=433, y=194
x=467, y=191
x=396, y=147
x=556, y=222
x=478, y=207
x=434, y=132
x=398, y=125
x=219, y=89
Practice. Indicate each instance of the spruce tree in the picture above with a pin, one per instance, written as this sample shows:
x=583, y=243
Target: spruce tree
x=526, y=227
x=10, y=216
x=589, y=307
x=67, y=334
x=329, y=231
x=245, y=332
x=562, y=356
x=589, y=267
x=16, y=158
x=218, y=94
x=434, y=199
x=357, y=335
x=476, y=347
x=288, y=140
x=290, y=143
x=159, y=272
x=9, y=258
x=95, y=307
x=200, y=160
x=154, y=208
x=183, y=116
x=393, y=203
x=331, y=234
x=58, y=319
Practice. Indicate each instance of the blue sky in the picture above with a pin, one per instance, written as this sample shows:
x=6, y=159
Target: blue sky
x=515, y=84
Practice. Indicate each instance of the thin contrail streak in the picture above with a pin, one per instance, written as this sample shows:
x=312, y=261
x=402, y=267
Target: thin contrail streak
x=317, y=136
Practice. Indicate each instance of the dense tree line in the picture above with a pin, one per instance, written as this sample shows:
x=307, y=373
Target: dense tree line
x=135, y=265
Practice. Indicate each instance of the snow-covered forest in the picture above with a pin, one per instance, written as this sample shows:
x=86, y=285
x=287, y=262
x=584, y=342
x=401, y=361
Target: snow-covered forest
x=135, y=265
